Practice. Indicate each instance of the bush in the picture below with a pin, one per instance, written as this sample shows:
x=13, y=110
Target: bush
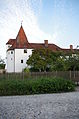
x=27, y=72
x=38, y=86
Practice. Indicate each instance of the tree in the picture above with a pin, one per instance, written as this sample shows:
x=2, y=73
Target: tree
x=40, y=60
x=58, y=61
x=47, y=60
x=2, y=64
x=73, y=62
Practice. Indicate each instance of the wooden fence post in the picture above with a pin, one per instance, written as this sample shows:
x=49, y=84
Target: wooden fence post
x=70, y=74
x=56, y=73
x=74, y=74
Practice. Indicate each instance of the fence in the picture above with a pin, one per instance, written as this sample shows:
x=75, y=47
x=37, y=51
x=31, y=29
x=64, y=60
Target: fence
x=2, y=71
x=72, y=75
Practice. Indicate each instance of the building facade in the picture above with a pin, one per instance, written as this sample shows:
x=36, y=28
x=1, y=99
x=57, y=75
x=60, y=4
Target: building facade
x=19, y=49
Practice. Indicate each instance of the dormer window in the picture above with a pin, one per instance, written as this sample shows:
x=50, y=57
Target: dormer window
x=25, y=50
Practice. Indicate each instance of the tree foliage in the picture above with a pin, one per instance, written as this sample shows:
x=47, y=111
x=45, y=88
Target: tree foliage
x=40, y=60
x=2, y=64
x=72, y=63
x=46, y=60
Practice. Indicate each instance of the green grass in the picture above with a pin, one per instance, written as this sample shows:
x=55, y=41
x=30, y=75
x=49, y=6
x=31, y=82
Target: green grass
x=35, y=86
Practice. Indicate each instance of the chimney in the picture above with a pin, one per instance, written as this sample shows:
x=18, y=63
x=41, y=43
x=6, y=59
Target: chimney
x=46, y=43
x=71, y=47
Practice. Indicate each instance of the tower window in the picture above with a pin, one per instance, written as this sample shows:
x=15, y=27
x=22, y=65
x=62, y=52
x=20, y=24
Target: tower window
x=9, y=46
x=25, y=51
x=21, y=61
x=11, y=52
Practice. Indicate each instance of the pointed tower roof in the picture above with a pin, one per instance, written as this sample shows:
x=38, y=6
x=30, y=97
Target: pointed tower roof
x=21, y=38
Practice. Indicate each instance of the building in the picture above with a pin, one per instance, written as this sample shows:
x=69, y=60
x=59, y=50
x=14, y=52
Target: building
x=19, y=49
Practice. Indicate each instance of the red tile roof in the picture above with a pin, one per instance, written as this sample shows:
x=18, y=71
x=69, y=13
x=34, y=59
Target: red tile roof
x=21, y=41
x=42, y=45
x=11, y=41
x=21, y=37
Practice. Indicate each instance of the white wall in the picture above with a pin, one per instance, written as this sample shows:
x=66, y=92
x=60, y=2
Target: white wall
x=10, y=61
x=13, y=61
x=20, y=55
x=8, y=46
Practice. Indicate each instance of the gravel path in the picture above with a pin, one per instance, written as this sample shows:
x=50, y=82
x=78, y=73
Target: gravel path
x=47, y=106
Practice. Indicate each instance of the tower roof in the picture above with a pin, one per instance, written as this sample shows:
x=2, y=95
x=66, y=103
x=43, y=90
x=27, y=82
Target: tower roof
x=21, y=38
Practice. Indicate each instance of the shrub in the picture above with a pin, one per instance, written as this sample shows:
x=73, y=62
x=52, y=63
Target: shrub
x=38, y=86
x=27, y=72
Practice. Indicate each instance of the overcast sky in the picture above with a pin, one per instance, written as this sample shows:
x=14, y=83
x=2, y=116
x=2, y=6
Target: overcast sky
x=55, y=20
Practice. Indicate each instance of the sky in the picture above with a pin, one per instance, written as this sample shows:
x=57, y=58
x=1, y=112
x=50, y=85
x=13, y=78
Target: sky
x=54, y=20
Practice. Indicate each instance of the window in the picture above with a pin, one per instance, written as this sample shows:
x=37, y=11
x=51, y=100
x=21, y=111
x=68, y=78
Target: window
x=21, y=61
x=9, y=46
x=11, y=52
x=25, y=51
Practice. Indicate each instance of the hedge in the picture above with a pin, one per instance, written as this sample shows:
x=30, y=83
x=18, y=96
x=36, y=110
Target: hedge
x=35, y=86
